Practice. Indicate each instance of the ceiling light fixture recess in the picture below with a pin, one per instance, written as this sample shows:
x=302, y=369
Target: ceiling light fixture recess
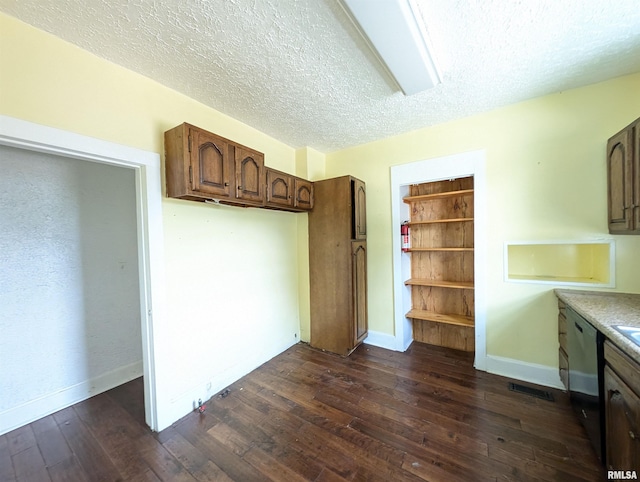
x=396, y=33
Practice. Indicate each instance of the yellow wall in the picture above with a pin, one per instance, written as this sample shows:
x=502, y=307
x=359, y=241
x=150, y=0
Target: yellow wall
x=546, y=180
x=545, y=175
x=233, y=296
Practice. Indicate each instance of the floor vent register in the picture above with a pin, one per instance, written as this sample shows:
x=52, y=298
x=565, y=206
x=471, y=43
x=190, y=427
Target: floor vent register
x=534, y=392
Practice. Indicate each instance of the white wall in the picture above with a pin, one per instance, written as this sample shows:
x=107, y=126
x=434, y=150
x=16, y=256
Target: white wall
x=69, y=293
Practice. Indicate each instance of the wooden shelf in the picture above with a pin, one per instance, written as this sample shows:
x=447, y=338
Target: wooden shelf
x=417, y=250
x=436, y=221
x=438, y=195
x=465, y=285
x=458, y=320
x=441, y=214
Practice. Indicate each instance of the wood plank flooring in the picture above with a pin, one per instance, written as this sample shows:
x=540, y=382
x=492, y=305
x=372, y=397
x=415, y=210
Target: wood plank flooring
x=378, y=415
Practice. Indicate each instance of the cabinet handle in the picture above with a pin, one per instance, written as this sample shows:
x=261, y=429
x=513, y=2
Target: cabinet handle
x=226, y=184
x=632, y=435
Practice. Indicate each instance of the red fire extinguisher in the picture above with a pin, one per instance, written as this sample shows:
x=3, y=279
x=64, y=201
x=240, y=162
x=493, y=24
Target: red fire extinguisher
x=405, y=233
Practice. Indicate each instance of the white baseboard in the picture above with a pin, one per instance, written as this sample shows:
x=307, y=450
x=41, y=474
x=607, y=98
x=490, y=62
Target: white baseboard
x=528, y=372
x=52, y=402
x=507, y=367
x=382, y=340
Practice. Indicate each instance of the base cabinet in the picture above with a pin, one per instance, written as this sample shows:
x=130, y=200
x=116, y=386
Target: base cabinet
x=563, y=357
x=622, y=409
x=338, y=265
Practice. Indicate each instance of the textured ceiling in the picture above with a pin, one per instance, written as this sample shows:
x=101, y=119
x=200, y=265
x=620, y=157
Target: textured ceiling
x=298, y=71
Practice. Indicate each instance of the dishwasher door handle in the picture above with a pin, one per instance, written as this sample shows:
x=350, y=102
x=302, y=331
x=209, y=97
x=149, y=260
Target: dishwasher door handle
x=578, y=326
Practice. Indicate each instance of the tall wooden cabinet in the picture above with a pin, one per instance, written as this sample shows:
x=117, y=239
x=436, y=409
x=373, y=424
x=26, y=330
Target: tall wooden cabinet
x=623, y=176
x=442, y=263
x=338, y=265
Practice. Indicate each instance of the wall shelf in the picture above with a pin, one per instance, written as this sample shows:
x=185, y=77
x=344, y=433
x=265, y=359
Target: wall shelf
x=459, y=320
x=442, y=248
x=453, y=250
x=463, y=285
x=438, y=195
x=435, y=221
x=571, y=263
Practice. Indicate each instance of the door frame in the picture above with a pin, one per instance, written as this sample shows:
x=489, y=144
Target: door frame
x=35, y=137
x=430, y=170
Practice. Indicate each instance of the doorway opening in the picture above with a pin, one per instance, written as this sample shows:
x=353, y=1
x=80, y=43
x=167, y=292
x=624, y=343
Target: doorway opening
x=145, y=166
x=441, y=256
x=403, y=177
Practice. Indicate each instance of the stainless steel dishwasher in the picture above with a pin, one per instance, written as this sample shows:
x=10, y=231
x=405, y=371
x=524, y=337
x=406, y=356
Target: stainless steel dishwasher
x=586, y=387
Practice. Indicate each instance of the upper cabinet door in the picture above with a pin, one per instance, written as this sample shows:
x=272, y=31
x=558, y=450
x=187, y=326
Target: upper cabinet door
x=250, y=178
x=359, y=209
x=210, y=164
x=279, y=189
x=636, y=174
x=620, y=182
x=303, y=190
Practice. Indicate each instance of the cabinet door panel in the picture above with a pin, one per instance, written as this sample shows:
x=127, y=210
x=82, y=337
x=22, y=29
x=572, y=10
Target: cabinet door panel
x=249, y=174
x=210, y=164
x=622, y=407
x=279, y=187
x=303, y=194
x=359, y=209
x=636, y=175
x=359, y=283
x=620, y=185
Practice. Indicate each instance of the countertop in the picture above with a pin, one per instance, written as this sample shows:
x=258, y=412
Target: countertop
x=605, y=310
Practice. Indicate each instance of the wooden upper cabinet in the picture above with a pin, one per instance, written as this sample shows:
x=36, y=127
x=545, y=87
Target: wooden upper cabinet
x=359, y=209
x=303, y=194
x=623, y=181
x=210, y=164
x=287, y=192
x=279, y=189
x=249, y=175
x=200, y=166
x=636, y=174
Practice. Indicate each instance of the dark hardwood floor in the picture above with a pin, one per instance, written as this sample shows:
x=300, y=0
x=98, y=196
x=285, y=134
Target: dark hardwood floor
x=306, y=415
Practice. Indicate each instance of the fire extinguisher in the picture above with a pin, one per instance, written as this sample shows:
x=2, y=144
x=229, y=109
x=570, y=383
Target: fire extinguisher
x=405, y=233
